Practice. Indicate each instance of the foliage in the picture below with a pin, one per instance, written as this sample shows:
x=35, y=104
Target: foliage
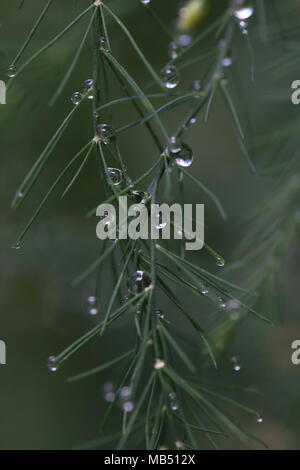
x=173, y=405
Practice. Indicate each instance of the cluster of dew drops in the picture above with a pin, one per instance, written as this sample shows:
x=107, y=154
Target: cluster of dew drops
x=182, y=155
x=242, y=11
x=178, y=152
x=125, y=397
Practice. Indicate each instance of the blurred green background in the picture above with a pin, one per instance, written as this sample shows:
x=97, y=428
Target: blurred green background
x=40, y=312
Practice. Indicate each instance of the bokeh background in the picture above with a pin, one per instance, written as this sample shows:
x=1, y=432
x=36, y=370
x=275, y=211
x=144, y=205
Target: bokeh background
x=40, y=312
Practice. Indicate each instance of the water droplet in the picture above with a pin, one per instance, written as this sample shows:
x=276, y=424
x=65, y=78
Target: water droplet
x=184, y=157
x=259, y=418
x=76, y=98
x=104, y=44
x=222, y=303
x=53, y=364
x=91, y=300
x=88, y=87
x=109, y=394
x=204, y=289
x=93, y=311
x=236, y=364
x=174, y=144
x=128, y=406
x=106, y=133
x=139, y=197
x=197, y=85
x=244, y=12
x=244, y=27
x=115, y=176
x=160, y=314
x=174, y=49
x=125, y=392
x=227, y=61
x=170, y=77
x=173, y=401
x=193, y=121
x=138, y=282
x=109, y=397
x=221, y=261
x=17, y=246
x=184, y=40
x=159, y=364
x=145, y=2
x=12, y=71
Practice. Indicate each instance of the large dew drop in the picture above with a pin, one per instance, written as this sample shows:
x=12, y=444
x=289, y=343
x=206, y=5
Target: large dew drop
x=76, y=98
x=53, y=364
x=184, y=157
x=106, y=133
x=170, y=77
x=115, y=176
